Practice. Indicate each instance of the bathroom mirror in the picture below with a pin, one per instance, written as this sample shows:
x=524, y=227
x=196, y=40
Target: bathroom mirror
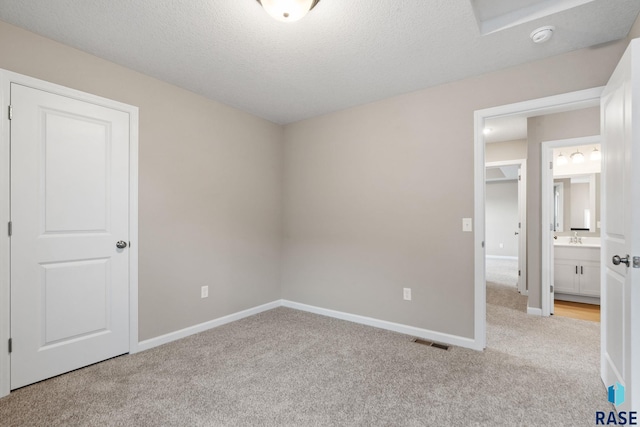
x=577, y=202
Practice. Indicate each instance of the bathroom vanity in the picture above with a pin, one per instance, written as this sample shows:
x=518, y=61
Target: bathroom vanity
x=577, y=270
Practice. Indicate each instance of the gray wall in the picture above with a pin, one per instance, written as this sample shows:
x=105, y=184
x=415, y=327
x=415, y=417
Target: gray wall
x=501, y=210
x=210, y=187
x=374, y=195
x=551, y=127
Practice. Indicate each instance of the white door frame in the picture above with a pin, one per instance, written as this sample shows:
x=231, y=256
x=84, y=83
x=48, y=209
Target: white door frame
x=536, y=107
x=522, y=217
x=546, y=186
x=6, y=78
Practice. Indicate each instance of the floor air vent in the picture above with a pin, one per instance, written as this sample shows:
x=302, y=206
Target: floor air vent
x=431, y=344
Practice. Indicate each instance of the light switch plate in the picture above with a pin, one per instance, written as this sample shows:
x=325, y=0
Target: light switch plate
x=467, y=224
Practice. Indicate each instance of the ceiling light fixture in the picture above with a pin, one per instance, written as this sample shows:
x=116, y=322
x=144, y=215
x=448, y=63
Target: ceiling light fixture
x=595, y=154
x=288, y=10
x=542, y=34
x=577, y=157
x=561, y=160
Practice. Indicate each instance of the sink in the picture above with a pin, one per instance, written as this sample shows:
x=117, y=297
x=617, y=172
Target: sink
x=587, y=242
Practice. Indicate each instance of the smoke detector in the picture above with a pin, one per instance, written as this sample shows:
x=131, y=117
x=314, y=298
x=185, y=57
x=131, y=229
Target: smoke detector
x=542, y=34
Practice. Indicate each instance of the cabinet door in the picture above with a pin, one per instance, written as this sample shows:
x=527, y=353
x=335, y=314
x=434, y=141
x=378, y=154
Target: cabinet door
x=565, y=279
x=590, y=278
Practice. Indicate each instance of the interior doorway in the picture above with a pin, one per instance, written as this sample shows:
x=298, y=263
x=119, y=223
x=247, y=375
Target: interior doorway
x=570, y=191
x=554, y=104
x=506, y=229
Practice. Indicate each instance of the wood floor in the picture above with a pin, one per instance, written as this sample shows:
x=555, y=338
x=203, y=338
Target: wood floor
x=577, y=310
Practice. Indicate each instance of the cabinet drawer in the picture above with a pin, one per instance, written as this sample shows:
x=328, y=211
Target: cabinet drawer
x=577, y=253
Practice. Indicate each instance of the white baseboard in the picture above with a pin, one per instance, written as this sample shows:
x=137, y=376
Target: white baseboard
x=501, y=257
x=369, y=321
x=534, y=311
x=182, y=333
x=577, y=298
x=383, y=324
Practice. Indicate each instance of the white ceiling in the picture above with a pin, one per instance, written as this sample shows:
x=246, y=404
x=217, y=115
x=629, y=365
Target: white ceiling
x=344, y=53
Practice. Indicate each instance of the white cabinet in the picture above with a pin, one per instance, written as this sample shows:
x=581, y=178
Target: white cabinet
x=577, y=270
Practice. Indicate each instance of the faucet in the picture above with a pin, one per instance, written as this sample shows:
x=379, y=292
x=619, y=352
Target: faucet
x=575, y=238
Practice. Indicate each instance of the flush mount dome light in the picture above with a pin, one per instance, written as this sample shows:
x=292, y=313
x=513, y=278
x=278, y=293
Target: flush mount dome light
x=288, y=10
x=542, y=34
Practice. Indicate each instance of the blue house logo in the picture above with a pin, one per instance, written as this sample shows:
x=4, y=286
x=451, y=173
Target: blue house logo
x=616, y=394
x=622, y=418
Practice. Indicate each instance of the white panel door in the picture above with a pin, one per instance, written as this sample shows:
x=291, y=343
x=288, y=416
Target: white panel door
x=620, y=293
x=69, y=207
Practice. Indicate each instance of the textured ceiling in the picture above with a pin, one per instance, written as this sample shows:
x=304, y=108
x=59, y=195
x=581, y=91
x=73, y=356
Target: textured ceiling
x=342, y=54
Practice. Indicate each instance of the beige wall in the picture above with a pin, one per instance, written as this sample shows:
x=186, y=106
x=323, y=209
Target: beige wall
x=374, y=195
x=210, y=187
x=551, y=127
x=507, y=150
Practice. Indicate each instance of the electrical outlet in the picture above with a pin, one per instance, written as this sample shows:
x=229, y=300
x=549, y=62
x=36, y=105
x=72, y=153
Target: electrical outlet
x=406, y=294
x=204, y=292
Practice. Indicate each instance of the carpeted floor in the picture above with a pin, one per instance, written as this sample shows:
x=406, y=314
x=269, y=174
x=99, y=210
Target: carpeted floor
x=290, y=368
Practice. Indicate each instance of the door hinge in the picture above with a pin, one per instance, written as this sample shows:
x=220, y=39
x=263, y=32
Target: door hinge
x=551, y=288
x=10, y=345
x=519, y=225
x=519, y=177
x=550, y=165
x=483, y=244
x=636, y=262
x=551, y=227
x=10, y=228
x=519, y=273
x=10, y=112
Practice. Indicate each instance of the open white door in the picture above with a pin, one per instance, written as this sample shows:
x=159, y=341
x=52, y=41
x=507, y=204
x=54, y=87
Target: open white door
x=522, y=228
x=620, y=292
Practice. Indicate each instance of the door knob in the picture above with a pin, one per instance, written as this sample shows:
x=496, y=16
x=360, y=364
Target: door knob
x=121, y=244
x=617, y=260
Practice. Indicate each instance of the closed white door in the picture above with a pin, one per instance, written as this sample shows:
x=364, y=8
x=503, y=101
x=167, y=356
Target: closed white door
x=620, y=299
x=69, y=208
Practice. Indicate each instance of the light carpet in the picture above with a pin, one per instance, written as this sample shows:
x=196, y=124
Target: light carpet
x=290, y=368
